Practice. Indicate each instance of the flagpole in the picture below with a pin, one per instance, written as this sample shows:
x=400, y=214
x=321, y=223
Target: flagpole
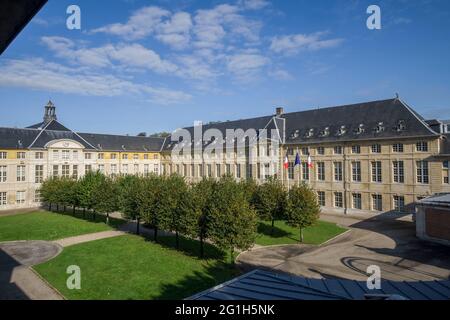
x=299, y=166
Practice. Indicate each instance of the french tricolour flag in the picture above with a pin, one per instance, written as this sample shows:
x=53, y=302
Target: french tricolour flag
x=310, y=164
x=286, y=162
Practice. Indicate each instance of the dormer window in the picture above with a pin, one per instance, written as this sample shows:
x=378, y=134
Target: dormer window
x=325, y=132
x=310, y=133
x=341, y=131
x=379, y=127
x=360, y=129
x=401, y=126
x=295, y=134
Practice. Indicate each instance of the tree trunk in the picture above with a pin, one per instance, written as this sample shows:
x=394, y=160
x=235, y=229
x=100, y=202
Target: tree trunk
x=84, y=213
x=301, y=235
x=49, y=207
x=73, y=210
x=93, y=216
x=57, y=207
x=138, y=222
x=273, y=226
x=177, y=240
x=202, y=252
x=64, y=208
x=107, y=218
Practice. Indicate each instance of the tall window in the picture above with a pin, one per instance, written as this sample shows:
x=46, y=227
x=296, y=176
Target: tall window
x=338, y=171
x=200, y=170
x=377, y=202
x=65, y=171
x=3, y=201
x=156, y=168
x=422, y=146
x=338, y=150
x=101, y=156
x=209, y=168
x=399, y=203
x=249, y=172
x=20, y=197
x=75, y=172
x=113, y=169
x=146, y=156
x=218, y=171
x=136, y=168
x=135, y=156
x=55, y=154
x=39, y=174
x=3, y=173
x=320, y=151
x=39, y=155
x=55, y=172
x=21, y=155
x=356, y=149
x=291, y=170
x=101, y=168
x=113, y=156
x=377, y=175
x=356, y=171
x=88, y=156
x=3, y=155
x=75, y=155
x=37, y=196
x=445, y=164
x=267, y=174
x=422, y=172
x=20, y=173
x=338, y=200
x=321, y=171
x=125, y=168
x=399, y=171
x=228, y=169
x=146, y=170
x=238, y=171
x=125, y=156
x=357, y=203
x=305, y=171
x=321, y=198
x=376, y=148
x=397, y=147
x=65, y=154
x=305, y=151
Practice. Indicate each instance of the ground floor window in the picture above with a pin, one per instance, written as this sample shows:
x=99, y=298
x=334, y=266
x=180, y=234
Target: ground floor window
x=357, y=203
x=321, y=198
x=20, y=197
x=3, y=199
x=238, y=171
x=37, y=196
x=377, y=202
x=399, y=203
x=338, y=200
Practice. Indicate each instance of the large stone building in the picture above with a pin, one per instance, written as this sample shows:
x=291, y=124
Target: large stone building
x=378, y=156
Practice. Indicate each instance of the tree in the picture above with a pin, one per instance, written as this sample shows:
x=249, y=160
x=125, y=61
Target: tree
x=48, y=191
x=233, y=221
x=105, y=194
x=87, y=185
x=303, y=209
x=249, y=186
x=128, y=188
x=270, y=201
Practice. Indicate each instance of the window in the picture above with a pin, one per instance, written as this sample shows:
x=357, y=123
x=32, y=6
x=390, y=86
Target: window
x=209, y=168
x=376, y=148
x=88, y=168
x=397, y=147
x=65, y=154
x=338, y=200
x=446, y=180
x=445, y=164
x=185, y=170
x=75, y=155
x=321, y=171
x=321, y=198
x=136, y=168
x=422, y=172
x=125, y=169
x=20, y=197
x=101, y=168
x=20, y=173
x=101, y=156
x=146, y=170
x=146, y=156
x=155, y=156
x=249, y=170
x=422, y=146
x=218, y=171
x=338, y=150
x=228, y=169
x=3, y=155
x=135, y=156
x=399, y=203
x=113, y=156
x=39, y=155
x=37, y=196
x=3, y=173
x=125, y=156
x=291, y=170
x=156, y=168
x=305, y=171
x=338, y=171
x=192, y=173
x=305, y=151
x=55, y=171
x=290, y=152
x=377, y=202
x=55, y=154
x=377, y=175
x=267, y=174
x=21, y=155
x=113, y=169
x=75, y=172
x=200, y=170
x=3, y=201
x=238, y=170
x=87, y=156
x=356, y=149
x=399, y=171
x=39, y=174
x=356, y=171
x=357, y=203
x=320, y=151
x=65, y=171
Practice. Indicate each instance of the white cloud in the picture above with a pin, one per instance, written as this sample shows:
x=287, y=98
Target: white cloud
x=142, y=23
x=254, y=4
x=292, y=44
x=246, y=66
x=41, y=75
x=176, y=31
x=280, y=74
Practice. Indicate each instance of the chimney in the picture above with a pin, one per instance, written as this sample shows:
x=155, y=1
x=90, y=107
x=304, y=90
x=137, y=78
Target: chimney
x=50, y=112
x=279, y=111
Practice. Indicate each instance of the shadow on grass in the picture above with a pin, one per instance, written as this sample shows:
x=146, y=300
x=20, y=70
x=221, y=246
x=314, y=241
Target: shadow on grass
x=265, y=228
x=90, y=216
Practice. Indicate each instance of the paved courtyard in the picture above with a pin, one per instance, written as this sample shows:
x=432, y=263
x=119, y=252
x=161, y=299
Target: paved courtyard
x=389, y=243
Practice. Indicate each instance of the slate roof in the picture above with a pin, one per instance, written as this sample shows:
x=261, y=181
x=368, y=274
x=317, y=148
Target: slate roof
x=123, y=143
x=446, y=144
x=396, y=119
x=264, y=285
x=439, y=200
x=53, y=125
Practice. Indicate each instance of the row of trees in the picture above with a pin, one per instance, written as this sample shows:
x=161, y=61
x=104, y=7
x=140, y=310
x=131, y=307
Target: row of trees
x=223, y=211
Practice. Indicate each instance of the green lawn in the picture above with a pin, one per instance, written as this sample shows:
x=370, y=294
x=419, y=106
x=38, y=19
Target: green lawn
x=284, y=234
x=46, y=226
x=130, y=267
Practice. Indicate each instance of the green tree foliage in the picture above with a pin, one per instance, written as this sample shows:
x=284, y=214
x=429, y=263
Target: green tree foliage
x=233, y=221
x=249, y=186
x=270, y=200
x=48, y=191
x=106, y=197
x=128, y=190
x=87, y=185
x=303, y=209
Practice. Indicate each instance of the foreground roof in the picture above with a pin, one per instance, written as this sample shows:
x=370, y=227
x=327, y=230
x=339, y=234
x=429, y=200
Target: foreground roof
x=437, y=200
x=264, y=285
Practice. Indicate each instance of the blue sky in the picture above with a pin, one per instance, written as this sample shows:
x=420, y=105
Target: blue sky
x=158, y=65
